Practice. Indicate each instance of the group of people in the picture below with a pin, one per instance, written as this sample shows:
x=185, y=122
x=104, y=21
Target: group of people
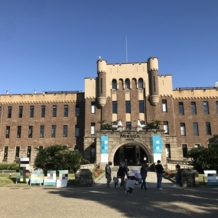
x=129, y=183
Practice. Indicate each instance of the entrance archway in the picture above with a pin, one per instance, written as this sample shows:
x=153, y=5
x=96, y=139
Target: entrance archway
x=133, y=153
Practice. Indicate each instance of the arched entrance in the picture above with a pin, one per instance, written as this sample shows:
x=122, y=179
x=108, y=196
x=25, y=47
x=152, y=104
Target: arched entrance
x=134, y=153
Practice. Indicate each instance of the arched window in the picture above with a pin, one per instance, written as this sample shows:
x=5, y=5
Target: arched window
x=127, y=84
x=140, y=83
x=114, y=84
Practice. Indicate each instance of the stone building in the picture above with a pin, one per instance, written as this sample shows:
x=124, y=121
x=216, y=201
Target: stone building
x=128, y=96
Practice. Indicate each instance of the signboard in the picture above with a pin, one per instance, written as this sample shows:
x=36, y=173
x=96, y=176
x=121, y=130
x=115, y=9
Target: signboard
x=104, y=149
x=157, y=144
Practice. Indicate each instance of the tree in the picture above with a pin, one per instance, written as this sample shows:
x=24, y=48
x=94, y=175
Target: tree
x=204, y=158
x=58, y=157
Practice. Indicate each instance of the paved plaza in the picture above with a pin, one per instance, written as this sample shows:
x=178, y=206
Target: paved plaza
x=99, y=201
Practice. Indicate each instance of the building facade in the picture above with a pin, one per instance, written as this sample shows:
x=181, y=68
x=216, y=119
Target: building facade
x=127, y=96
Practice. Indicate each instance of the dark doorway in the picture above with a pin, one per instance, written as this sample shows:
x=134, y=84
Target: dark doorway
x=130, y=155
x=143, y=156
x=117, y=158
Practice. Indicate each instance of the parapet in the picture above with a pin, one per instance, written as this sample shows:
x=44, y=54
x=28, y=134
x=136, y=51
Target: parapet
x=153, y=64
x=102, y=66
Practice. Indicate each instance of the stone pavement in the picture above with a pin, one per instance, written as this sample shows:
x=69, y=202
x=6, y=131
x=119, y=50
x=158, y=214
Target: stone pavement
x=102, y=202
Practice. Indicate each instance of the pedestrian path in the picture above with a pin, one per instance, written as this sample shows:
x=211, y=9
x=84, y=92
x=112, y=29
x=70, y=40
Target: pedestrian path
x=151, y=181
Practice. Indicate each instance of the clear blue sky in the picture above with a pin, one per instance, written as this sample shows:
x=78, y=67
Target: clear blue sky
x=52, y=45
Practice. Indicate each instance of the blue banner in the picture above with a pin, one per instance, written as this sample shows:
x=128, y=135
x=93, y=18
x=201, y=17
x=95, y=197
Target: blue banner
x=104, y=144
x=157, y=144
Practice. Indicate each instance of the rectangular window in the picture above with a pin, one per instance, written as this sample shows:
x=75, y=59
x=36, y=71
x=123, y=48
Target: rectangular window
x=6, y=153
x=181, y=108
x=92, y=107
x=42, y=129
x=196, y=145
x=29, y=152
x=9, y=111
x=166, y=127
x=54, y=111
x=164, y=105
x=20, y=114
x=31, y=111
x=217, y=106
x=114, y=124
x=195, y=128
x=41, y=147
x=43, y=110
x=193, y=107
x=77, y=110
x=65, y=110
x=114, y=107
x=17, y=152
x=206, y=107
x=154, y=83
x=65, y=130
x=128, y=126
x=141, y=106
x=182, y=129
x=101, y=85
x=30, y=132
x=184, y=150
x=77, y=130
x=92, y=128
x=7, y=135
x=208, y=128
x=168, y=151
x=128, y=107
x=19, y=132
x=53, y=131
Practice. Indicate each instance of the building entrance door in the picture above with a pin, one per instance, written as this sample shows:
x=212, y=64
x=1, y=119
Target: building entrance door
x=130, y=154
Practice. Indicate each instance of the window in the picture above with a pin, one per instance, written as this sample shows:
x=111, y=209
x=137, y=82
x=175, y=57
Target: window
x=77, y=110
x=217, y=106
x=65, y=130
x=6, y=153
x=42, y=129
x=196, y=145
x=65, y=110
x=164, y=105
x=114, y=84
x=29, y=152
x=114, y=107
x=92, y=107
x=20, y=114
x=30, y=132
x=182, y=129
x=166, y=127
x=140, y=83
x=208, y=128
x=168, y=151
x=31, y=111
x=154, y=80
x=193, y=107
x=206, y=107
x=19, y=132
x=114, y=124
x=128, y=107
x=54, y=111
x=77, y=130
x=53, y=131
x=17, y=152
x=184, y=150
x=43, y=110
x=92, y=128
x=101, y=85
x=181, y=108
x=128, y=126
x=41, y=147
x=141, y=106
x=7, y=132
x=9, y=111
x=195, y=128
x=127, y=84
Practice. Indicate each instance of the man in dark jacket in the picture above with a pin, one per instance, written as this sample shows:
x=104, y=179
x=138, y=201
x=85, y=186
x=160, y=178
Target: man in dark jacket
x=122, y=171
x=159, y=170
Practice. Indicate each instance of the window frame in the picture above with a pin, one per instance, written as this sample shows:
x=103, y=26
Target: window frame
x=128, y=107
x=195, y=129
x=182, y=129
x=53, y=131
x=20, y=112
x=127, y=83
x=208, y=128
x=140, y=83
x=54, y=111
x=19, y=130
x=181, y=108
x=43, y=110
x=166, y=127
x=65, y=131
x=164, y=105
x=66, y=109
x=30, y=132
x=206, y=107
x=42, y=131
x=8, y=131
x=114, y=107
x=31, y=111
x=9, y=115
x=93, y=107
x=114, y=84
x=141, y=106
x=93, y=128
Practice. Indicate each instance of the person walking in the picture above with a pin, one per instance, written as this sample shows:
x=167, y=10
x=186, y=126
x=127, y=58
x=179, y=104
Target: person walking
x=178, y=176
x=108, y=173
x=159, y=170
x=144, y=172
x=122, y=171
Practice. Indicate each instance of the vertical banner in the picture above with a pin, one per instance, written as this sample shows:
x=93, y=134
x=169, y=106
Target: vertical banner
x=104, y=149
x=157, y=147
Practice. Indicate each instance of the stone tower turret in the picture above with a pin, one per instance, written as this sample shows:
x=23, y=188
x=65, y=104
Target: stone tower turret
x=102, y=68
x=153, y=81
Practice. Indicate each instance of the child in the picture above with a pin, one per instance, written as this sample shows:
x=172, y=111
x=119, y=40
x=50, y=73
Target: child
x=130, y=183
x=116, y=181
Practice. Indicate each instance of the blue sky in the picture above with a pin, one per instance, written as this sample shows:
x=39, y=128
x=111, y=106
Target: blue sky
x=52, y=45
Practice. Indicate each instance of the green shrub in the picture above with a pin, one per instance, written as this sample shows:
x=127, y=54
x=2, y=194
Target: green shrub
x=9, y=167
